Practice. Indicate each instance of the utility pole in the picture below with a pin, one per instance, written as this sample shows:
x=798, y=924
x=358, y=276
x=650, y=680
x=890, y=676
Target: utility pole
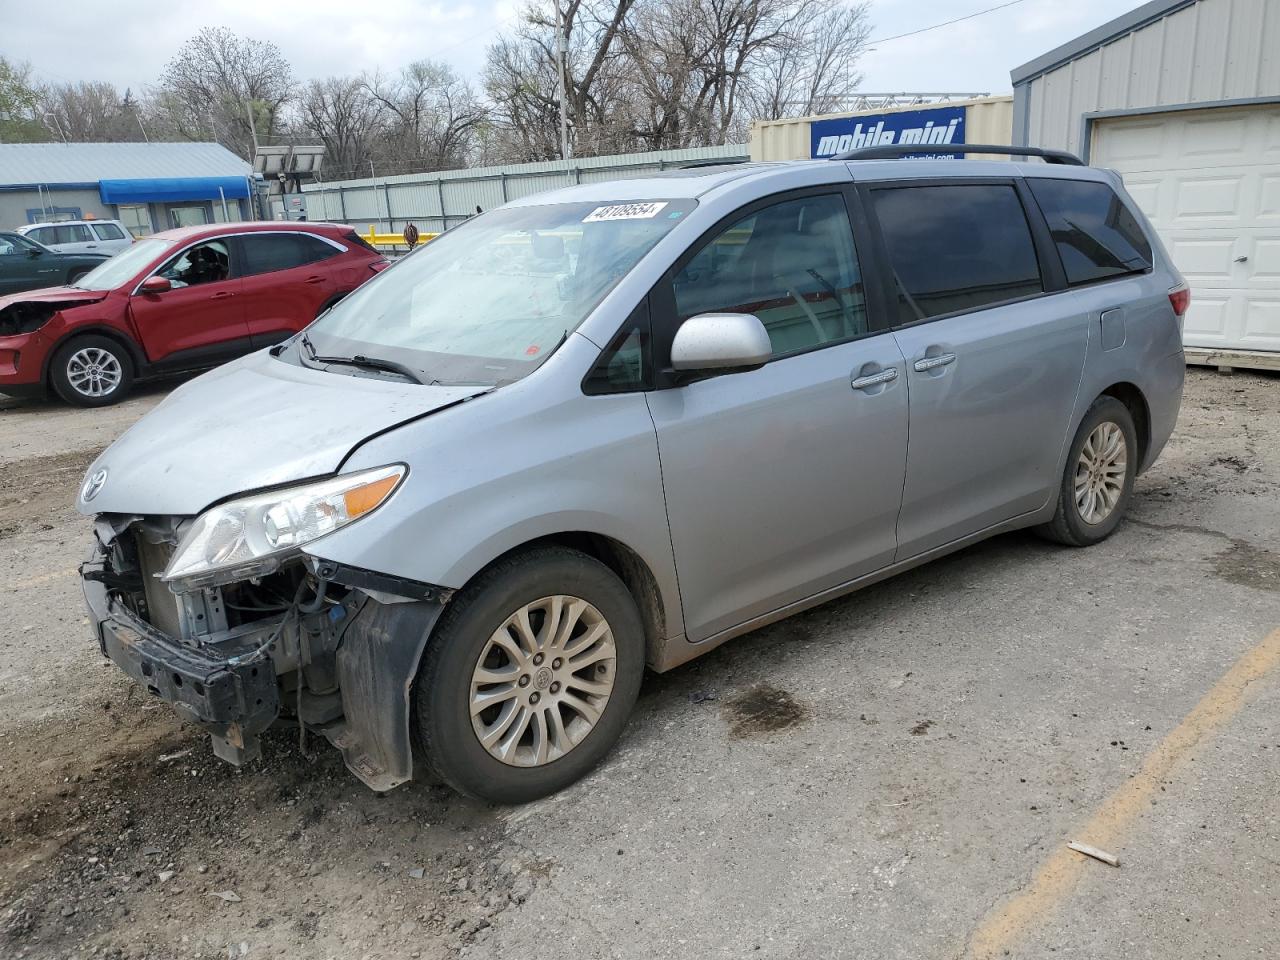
x=253, y=129
x=562, y=71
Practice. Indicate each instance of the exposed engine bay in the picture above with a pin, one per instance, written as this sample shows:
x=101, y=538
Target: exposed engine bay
x=30, y=316
x=327, y=649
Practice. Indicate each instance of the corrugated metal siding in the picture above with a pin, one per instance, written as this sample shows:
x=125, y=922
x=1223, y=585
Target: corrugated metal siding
x=390, y=203
x=986, y=120
x=1212, y=50
x=54, y=163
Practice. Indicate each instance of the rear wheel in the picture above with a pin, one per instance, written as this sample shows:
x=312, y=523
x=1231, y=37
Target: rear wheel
x=530, y=676
x=1097, y=483
x=92, y=371
x=75, y=275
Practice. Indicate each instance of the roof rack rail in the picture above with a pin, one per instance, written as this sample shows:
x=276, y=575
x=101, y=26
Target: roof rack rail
x=724, y=161
x=895, y=151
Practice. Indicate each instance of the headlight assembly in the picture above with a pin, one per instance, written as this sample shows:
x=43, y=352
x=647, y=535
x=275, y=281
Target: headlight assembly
x=252, y=536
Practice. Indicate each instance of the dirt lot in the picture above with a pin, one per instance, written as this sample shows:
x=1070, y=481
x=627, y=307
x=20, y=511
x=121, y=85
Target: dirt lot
x=892, y=775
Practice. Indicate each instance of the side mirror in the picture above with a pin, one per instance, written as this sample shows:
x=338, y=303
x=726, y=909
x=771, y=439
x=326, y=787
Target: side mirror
x=721, y=341
x=34, y=253
x=154, y=285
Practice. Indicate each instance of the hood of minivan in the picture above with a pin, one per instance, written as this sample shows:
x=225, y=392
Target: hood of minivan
x=257, y=422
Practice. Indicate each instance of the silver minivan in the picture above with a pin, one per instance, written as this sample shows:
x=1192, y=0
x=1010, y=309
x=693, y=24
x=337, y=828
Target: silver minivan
x=448, y=525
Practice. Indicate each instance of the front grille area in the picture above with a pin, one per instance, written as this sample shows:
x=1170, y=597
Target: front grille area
x=162, y=605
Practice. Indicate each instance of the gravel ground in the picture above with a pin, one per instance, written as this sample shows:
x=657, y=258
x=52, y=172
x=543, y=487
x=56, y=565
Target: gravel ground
x=890, y=775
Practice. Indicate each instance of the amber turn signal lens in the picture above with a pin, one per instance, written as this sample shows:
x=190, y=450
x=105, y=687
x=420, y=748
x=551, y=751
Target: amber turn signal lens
x=363, y=499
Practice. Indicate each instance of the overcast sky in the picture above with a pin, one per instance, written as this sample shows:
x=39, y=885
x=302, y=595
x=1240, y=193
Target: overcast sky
x=129, y=42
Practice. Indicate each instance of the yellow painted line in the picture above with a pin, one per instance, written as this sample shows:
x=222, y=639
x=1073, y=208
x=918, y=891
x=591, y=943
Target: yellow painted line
x=1005, y=925
x=18, y=585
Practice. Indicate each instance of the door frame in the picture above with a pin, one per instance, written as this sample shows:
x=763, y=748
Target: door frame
x=661, y=299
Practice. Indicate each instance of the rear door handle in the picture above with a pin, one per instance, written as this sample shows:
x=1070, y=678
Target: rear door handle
x=874, y=379
x=221, y=295
x=932, y=363
x=314, y=280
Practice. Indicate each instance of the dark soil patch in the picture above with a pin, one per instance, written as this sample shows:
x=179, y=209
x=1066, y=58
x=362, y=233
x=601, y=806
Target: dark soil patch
x=760, y=710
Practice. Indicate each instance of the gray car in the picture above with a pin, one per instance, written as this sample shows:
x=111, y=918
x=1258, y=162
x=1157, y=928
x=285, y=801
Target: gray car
x=448, y=525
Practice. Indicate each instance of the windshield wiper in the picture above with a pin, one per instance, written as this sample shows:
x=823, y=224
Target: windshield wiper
x=368, y=363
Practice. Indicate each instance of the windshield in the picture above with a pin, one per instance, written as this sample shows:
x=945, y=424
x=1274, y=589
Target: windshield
x=491, y=299
x=17, y=243
x=123, y=266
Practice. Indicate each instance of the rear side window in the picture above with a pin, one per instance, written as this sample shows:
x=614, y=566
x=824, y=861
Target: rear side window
x=269, y=252
x=72, y=233
x=357, y=240
x=955, y=248
x=108, y=231
x=1096, y=235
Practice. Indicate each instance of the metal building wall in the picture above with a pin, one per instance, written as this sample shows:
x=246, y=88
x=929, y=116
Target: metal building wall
x=986, y=120
x=15, y=204
x=1189, y=52
x=435, y=201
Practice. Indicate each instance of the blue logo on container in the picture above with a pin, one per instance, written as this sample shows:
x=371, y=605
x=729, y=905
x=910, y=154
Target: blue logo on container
x=939, y=125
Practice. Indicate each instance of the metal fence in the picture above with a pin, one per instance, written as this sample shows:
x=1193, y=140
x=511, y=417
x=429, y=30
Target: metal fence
x=436, y=201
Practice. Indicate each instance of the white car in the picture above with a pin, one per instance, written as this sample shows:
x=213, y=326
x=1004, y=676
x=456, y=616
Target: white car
x=80, y=236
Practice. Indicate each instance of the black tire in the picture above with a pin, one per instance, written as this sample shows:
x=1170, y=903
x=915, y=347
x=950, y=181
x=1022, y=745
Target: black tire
x=60, y=375
x=442, y=692
x=1068, y=525
x=75, y=275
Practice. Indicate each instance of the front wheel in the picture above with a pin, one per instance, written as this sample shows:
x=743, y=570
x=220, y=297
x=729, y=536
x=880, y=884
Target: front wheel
x=529, y=677
x=1097, y=483
x=92, y=371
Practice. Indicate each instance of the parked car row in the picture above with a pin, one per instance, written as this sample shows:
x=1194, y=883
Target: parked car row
x=179, y=300
x=80, y=236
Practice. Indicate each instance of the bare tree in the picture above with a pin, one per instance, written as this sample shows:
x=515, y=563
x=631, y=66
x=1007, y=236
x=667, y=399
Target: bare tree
x=216, y=80
x=430, y=115
x=655, y=74
x=91, y=111
x=340, y=111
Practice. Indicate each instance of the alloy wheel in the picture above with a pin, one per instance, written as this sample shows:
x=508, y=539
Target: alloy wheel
x=94, y=372
x=1101, y=471
x=542, y=681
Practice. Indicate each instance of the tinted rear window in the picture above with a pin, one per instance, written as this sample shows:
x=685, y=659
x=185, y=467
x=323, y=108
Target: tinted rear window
x=269, y=252
x=1096, y=235
x=956, y=248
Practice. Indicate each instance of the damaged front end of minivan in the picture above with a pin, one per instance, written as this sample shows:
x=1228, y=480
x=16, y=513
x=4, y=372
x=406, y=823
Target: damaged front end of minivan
x=225, y=618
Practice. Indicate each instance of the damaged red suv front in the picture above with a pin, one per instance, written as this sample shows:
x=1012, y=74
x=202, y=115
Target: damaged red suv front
x=32, y=324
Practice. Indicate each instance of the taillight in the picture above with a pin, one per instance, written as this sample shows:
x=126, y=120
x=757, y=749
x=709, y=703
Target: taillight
x=1180, y=299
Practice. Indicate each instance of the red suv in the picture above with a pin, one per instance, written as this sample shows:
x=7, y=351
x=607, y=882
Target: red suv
x=177, y=301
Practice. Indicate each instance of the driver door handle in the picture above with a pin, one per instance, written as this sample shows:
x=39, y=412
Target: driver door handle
x=932, y=363
x=874, y=379
x=314, y=280
x=221, y=295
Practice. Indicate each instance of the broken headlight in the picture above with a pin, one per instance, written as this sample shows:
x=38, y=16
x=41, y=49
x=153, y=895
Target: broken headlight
x=252, y=536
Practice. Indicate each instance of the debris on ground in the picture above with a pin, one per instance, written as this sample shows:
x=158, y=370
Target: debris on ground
x=1108, y=858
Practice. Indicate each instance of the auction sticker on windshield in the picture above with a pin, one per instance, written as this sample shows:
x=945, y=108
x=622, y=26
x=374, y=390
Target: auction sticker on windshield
x=625, y=211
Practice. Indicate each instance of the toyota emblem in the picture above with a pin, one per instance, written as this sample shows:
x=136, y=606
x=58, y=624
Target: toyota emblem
x=94, y=485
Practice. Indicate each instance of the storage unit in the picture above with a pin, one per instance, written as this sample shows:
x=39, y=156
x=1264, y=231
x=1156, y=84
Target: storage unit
x=1182, y=97
x=984, y=120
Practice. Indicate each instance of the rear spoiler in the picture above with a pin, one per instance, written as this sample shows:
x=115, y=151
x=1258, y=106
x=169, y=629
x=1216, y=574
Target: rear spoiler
x=896, y=151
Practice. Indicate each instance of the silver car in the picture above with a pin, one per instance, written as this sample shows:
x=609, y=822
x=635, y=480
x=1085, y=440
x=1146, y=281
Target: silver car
x=448, y=525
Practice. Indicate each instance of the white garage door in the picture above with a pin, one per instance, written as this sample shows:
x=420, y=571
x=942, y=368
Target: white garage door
x=1210, y=182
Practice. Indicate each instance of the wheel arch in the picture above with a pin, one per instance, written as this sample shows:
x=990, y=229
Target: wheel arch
x=1133, y=398
x=628, y=565
x=100, y=330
